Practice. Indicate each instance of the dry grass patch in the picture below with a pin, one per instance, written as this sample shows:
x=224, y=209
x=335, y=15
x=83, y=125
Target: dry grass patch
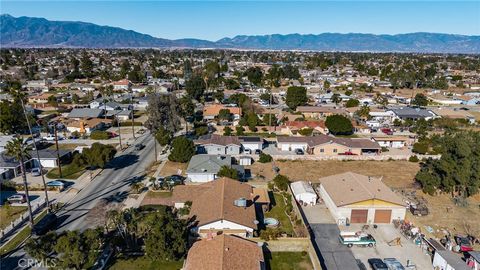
x=397, y=174
x=172, y=168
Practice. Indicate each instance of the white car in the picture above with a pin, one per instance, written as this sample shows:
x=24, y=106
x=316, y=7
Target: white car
x=49, y=138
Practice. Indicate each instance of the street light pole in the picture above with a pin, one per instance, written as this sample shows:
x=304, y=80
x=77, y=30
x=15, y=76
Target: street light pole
x=58, y=153
x=38, y=156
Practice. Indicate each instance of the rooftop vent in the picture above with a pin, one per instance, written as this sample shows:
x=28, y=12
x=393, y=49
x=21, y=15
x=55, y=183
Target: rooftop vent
x=242, y=202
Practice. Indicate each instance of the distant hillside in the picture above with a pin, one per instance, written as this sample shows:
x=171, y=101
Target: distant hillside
x=39, y=32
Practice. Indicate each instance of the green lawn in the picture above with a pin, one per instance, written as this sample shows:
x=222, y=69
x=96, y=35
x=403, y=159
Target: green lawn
x=69, y=171
x=145, y=264
x=10, y=213
x=20, y=237
x=288, y=261
x=278, y=212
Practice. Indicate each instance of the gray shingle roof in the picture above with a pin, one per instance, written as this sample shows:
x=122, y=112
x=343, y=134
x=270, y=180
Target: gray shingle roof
x=208, y=163
x=85, y=113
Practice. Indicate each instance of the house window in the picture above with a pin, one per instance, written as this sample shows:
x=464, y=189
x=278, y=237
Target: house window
x=322, y=150
x=218, y=149
x=335, y=150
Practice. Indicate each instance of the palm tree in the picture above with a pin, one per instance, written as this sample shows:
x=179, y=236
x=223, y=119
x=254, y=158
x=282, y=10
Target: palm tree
x=17, y=149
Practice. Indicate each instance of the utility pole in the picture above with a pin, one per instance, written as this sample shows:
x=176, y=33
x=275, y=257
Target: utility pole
x=133, y=116
x=58, y=153
x=119, y=135
x=155, y=146
x=38, y=156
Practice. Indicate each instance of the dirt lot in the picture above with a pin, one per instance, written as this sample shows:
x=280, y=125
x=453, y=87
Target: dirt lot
x=172, y=168
x=396, y=174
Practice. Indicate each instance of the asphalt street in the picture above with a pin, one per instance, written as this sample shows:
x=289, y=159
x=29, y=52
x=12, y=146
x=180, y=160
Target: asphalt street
x=115, y=179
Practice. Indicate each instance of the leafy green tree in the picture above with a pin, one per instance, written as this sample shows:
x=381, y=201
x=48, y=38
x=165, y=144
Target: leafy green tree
x=163, y=136
x=75, y=250
x=457, y=171
x=265, y=158
x=231, y=84
x=99, y=135
x=98, y=155
x=254, y=75
x=420, y=148
x=240, y=131
x=306, y=131
x=339, y=125
x=363, y=112
x=227, y=171
x=165, y=111
x=41, y=248
x=420, y=100
x=296, y=96
x=12, y=119
x=195, y=87
x=201, y=130
x=227, y=131
x=336, y=98
x=168, y=237
x=326, y=85
x=252, y=120
x=281, y=182
x=224, y=114
x=182, y=150
x=352, y=103
x=270, y=119
x=219, y=95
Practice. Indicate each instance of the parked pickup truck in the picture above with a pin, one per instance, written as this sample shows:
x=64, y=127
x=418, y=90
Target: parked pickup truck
x=357, y=238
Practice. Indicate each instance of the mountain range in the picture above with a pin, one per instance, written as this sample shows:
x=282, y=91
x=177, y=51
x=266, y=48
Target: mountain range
x=39, y=32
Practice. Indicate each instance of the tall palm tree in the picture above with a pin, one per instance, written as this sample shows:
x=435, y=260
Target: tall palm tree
x=19, y=151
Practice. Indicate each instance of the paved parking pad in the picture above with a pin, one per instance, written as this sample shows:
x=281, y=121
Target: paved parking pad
x=332, y=254
x=383, y=234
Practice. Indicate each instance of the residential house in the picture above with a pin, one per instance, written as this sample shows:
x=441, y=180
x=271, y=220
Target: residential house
x=294, y=128
x=320, y=112
x=204, y=168
x=210, y=112
x=48, y=157
x=323, y=145
x=39, y=99
x=356, y=198
x=122, y=85
x=85, y=113
x=214, y=144
x=224, y=206
x=225, y=252
x=410, y=113
x=391, y=141
x=86, y=126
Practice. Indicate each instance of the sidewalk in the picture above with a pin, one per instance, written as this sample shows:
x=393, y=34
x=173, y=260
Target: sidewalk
x=131, y=201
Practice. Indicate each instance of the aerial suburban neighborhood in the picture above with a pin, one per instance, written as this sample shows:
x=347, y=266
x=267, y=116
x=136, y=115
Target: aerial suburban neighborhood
x=221, y=158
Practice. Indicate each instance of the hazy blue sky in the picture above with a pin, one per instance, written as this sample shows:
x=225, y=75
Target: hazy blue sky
x=213, y=20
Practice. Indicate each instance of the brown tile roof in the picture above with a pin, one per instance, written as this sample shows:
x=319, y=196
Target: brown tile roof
x=322, y=139
x=213, y=110
x=216, y=203
x=218, y=139
x=347, y=188
x=305, y=124
x=224, y=252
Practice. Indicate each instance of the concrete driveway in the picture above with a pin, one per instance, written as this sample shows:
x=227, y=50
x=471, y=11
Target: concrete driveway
x=332, y=255
x=383, y=234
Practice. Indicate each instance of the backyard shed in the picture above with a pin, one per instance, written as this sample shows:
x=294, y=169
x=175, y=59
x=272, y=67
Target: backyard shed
x=304, y=193
x=447, y=260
